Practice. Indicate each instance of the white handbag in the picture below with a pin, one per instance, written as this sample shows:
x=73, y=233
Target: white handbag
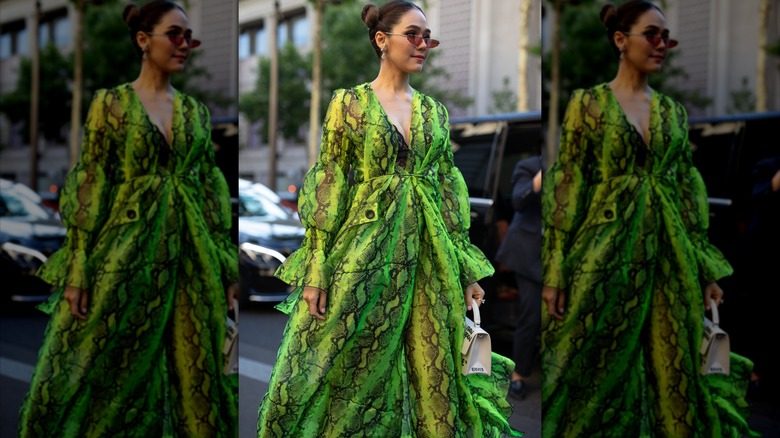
x=476, y=351
x=230, y=347
x=715, y=346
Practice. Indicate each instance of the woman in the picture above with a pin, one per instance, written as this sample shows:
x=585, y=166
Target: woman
x=626, y=257
x=386, y=271
x=134, y=344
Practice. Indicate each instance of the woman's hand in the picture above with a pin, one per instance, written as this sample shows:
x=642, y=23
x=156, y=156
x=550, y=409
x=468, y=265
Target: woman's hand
x=712, y=291
x=474, y=291
x=78, y=299
x=231, y=294
x=556, y=300
x=316, y=298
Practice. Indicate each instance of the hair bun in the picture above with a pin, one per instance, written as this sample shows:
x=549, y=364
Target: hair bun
x=370, y=16
x=131, y=15
x=608, y=15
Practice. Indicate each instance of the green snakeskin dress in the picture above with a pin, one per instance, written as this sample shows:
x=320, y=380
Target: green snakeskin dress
x=148, y=239
x=391, y=248
x=625, y=235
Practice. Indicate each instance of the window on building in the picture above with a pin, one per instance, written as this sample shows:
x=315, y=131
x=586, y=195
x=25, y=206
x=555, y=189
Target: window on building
x=54, y=28
x=252, y=41
x=294, y=28
x=13, y=39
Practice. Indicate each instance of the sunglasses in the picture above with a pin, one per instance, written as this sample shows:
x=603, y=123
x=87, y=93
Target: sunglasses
x=655, y=39
x=176, y=39
x=415, y=40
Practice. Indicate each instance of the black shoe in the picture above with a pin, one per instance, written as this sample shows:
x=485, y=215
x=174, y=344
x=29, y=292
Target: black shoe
x=518, y=390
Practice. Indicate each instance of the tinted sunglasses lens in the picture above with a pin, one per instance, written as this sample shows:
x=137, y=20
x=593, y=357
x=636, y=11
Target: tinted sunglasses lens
x=671, y=44
x=176, y=40
x=432, y=43
x=414, y=39
x=194, y=43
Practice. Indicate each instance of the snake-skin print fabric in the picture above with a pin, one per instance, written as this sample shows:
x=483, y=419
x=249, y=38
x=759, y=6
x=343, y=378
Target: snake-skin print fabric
x=625, y=235
x=393, y=253
x=148, y=239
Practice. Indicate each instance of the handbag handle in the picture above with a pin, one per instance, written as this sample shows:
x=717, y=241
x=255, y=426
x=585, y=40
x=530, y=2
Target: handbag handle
x=475, y=309
x=714, y=310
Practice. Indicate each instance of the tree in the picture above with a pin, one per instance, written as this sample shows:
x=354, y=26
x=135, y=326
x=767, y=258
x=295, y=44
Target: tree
x=293, y=93
x=55, y=98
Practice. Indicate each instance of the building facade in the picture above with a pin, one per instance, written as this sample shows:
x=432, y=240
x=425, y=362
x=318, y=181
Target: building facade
x=213, y=21
x=719, y=46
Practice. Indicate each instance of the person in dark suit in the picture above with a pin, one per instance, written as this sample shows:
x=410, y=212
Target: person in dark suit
x=521, y=251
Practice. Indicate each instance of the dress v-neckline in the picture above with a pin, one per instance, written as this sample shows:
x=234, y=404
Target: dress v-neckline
x=407, y=141
x=645, y=140
x=168, y=141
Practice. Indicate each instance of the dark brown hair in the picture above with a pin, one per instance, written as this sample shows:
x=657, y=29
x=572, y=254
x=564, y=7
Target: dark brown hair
x=145, y=18
x=384, y=18
x=622, y=18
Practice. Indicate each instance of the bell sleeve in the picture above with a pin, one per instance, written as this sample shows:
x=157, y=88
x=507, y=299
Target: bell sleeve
x=455, y=210
x=694, y=210
x=84, y=200
x=564, y=189
x=216, y=206
x=323, y=199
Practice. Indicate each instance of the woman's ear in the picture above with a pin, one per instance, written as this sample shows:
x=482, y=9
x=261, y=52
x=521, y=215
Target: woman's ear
x=620, y=39
x=381, y=39
x=142, y=39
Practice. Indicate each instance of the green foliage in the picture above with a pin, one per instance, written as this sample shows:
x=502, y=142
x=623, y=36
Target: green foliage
x=587, y=59
x=742, y=100
x=504, y=100
x=293, y=94
x=55, y=98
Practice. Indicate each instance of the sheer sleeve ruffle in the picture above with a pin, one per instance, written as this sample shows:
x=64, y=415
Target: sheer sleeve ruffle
x=694, y=209
x=564, y=191
x=322, y=203
x=84, y=199
x=456, y=213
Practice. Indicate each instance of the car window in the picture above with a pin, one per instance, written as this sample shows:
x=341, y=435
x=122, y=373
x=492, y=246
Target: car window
x=256, y=205
x=21, y=207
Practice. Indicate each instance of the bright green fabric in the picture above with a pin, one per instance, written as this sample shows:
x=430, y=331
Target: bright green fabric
x=625, y=234
x=393, y=253
x=148, y=239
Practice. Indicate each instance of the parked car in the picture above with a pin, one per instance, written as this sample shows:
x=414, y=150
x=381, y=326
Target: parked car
x=29, y=234
x=268, y=233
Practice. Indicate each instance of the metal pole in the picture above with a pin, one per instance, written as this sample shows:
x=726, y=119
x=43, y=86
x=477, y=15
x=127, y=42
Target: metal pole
x=34, y=97
x=75, y=111
x=555, y=83
x=316, y=87
x=273, y=105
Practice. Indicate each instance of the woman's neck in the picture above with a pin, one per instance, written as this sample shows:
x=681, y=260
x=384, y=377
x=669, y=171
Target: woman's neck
x=153, y=80
x=392, y=80
x=630, y=80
